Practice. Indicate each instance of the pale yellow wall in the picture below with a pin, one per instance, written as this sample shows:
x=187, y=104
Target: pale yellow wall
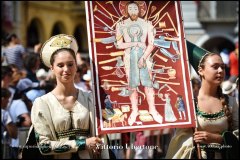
x=49, y=13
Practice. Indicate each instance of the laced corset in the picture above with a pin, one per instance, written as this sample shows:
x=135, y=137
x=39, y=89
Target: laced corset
x=212, y=122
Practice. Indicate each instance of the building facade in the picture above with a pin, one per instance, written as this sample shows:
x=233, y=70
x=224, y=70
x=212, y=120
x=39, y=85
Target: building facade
x=212, y=25
x=36, y=21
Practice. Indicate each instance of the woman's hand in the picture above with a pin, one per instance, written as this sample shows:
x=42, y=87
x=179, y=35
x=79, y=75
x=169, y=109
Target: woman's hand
x=205, y=137
x=94, y=144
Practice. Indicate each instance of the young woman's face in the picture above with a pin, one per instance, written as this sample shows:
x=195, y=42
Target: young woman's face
x=64, y=67
x=214, y=70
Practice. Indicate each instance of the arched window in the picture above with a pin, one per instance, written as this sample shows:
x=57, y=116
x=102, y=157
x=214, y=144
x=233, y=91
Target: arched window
x=33, y=33
x=81, y=35
x=58, y=28
x=217, y=44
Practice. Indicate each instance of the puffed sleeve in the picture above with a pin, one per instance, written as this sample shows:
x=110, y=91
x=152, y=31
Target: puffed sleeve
x=181, y=145
x=45, y=133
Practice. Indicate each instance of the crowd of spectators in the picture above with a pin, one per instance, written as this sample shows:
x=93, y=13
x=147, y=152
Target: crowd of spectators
x=24, y=78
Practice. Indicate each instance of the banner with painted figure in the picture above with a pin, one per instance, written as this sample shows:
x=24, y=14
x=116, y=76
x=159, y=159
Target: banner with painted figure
x=140, y=65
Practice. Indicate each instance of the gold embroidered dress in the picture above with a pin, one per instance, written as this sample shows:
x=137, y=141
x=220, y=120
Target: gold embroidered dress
x=59, y=131
x=181, y=145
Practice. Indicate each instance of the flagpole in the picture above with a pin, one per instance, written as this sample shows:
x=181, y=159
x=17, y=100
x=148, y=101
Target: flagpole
x=198, y=148
x=196, y=145
x=195, y=54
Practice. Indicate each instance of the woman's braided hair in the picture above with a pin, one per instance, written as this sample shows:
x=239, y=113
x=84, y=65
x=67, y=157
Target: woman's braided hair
x=225, y=103
x=223, y=97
